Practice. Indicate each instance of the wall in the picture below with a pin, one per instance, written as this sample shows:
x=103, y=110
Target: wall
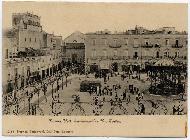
x=127, y=48
x=30, y=39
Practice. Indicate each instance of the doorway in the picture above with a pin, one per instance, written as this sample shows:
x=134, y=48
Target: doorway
x=74, y=58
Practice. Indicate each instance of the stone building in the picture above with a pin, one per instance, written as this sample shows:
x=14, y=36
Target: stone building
x=29, y=53
x=138, y=47
x=74, y=48
x=29, y=30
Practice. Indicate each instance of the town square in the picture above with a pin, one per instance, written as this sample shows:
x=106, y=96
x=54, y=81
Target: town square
x=138, y=71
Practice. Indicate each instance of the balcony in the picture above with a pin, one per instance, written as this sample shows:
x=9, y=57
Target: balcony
x=177, y=46
x=136, y=46
x=157, y=46
x=135, y=57
x=126, y=57
x=115, y=46
x=147, y=46
x=146, y=57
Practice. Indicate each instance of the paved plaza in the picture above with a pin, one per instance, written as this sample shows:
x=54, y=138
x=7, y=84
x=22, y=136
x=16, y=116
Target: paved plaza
x=70, y=101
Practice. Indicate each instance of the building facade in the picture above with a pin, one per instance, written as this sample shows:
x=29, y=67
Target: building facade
x=74, y=48
x=137, y=47
x=29, y=53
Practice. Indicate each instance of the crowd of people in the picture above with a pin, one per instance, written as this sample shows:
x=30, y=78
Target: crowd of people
x=116, y=93
x=27, y=99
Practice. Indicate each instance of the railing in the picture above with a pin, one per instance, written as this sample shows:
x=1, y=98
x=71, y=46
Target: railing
x=115, y=46
x=147, y=46
x=136, y=46
x=146, y=57
x=177, y=46
x=157, y=46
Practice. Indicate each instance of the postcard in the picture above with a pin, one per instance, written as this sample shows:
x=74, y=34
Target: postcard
x=94, y=69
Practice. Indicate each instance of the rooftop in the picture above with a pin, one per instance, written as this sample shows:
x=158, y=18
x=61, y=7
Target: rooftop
x=27, y=14
x=138, y=30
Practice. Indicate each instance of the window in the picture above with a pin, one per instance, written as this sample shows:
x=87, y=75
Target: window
x=105, y=41
x=22, y=70
x=30, y=39
x=157, y=42
x=157, y=54
x=93, y=42
x=25, y=26
x=165, y=54
x=25, y=39
x=135, y=42
x=126, y=53
x=94, y=53
x=28, y=70
x=6, y=53
x=9, y=77
x=146, y=42
x=115, y=41
x=167, y=42
x=176, y=42
x=126, y=41
x=105, y=53
x=35, y=39
x=186, y=42
x=115, y=53
x=136, y=55
x=16, y=71
x=145, y=52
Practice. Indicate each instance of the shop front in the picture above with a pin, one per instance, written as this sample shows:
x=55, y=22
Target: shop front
x=104, y=67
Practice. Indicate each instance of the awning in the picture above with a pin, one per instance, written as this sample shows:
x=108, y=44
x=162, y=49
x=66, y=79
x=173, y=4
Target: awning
x=164, y=62
x=104, y=64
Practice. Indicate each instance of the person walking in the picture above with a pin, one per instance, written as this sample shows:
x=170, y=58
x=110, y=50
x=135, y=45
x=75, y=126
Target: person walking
x=124, y=95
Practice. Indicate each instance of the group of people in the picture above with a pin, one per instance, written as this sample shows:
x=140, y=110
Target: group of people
x=26, y=99
x=119, y=94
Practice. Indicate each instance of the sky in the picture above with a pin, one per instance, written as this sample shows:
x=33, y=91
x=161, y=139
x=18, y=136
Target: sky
x=65, y=18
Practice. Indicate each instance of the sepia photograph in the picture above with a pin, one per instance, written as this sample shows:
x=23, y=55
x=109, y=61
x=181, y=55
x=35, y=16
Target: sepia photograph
x=94, y=59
